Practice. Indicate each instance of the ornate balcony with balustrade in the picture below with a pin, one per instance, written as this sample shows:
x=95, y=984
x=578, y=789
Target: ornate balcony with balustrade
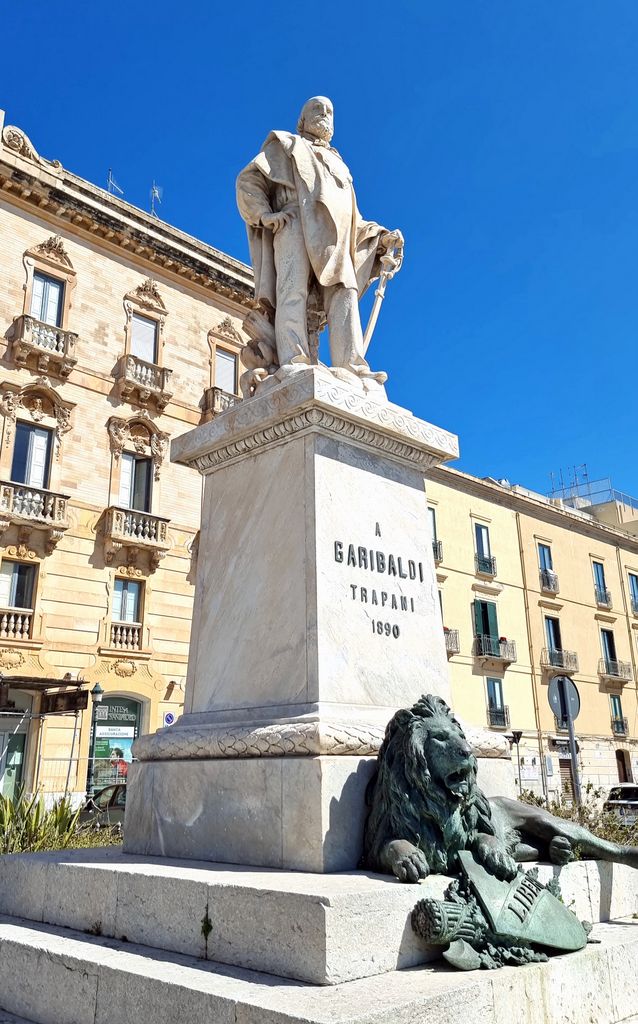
x=216, y=401
x=620, y=726
x=452, y=642
x=16, y=623
x=613, y=672
x=548, y=581
x=485, y=565
x=564, y=662
x=126, y=636
x=33, y=508
x=135, y=532
x=498, y=718
x=46, y=346
x=498, y=650
x=143, y=382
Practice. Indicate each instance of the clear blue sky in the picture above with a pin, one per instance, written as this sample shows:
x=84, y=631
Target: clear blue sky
x=499, y=135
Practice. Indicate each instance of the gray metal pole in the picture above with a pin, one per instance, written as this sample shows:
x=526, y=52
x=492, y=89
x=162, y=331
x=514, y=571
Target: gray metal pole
x=572, y=744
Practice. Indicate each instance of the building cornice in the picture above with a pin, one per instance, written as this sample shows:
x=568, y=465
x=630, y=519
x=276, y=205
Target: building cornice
x=537, y=508
x=30, y=180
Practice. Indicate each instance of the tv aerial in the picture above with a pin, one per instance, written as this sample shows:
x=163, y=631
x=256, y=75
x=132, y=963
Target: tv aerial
x=156, y=197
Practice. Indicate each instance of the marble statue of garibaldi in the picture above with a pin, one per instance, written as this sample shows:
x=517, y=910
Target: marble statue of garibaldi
x=306, y=234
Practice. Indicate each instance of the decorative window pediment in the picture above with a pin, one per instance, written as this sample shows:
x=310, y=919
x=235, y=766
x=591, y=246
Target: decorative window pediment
x=40, y=403
x=141, y=435
x=147, y=298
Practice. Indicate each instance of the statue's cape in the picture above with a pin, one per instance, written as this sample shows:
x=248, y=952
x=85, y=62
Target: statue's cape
x=341, y=246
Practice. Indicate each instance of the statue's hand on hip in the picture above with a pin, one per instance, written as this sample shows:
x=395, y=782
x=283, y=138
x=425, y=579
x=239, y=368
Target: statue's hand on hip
x=275, y=221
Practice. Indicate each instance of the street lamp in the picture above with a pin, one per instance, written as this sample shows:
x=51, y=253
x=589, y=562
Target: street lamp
x=516, y=737
x=96, y=698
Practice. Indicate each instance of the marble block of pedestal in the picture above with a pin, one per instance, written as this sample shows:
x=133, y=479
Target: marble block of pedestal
x=316, y=616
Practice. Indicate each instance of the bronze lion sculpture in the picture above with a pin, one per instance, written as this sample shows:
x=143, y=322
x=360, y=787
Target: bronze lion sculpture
x=424, y=806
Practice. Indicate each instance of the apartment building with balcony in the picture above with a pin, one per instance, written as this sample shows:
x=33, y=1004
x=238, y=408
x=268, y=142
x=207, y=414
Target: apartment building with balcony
x=117, y=333
x=532, y=588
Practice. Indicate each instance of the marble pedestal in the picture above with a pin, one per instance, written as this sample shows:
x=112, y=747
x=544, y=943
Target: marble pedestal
x=316, y=617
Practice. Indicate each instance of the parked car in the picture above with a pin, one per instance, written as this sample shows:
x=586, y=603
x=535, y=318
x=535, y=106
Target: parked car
x=623, y=801
x=106, y=807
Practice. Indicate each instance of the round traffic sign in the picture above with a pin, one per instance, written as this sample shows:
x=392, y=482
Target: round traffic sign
x=563, y=696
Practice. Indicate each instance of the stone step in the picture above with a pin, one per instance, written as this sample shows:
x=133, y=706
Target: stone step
x=293, y=924
x=57, y=976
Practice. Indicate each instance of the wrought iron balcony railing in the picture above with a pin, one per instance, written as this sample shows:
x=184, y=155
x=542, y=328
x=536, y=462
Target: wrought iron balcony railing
x=566, y=661
x=452, y=642
x=437, y=550
x=126, y=527
x=560, y=723
x=603, y=597
x=15, y=623
x=34, y=507
x=143, y=381
x=612, y=669
x=549, y=581
x=634, y=605
x=498, y=718
x=216, y=401
x=126, y=636
x=485, y=565
x=53, y=347
x=496, y=649
x=619, y=726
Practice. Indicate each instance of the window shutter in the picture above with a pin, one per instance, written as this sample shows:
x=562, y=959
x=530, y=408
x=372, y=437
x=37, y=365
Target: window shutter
x=492, y=621
x=37, y=461
x=117, y=601
x=225, y=371
x=432, y=515
x=126, y=480
x=478, y=618
x=37, y=296
x=143, y=337
x=141, y=494
x=6, y=577
x=132, y=602
x=52, y=304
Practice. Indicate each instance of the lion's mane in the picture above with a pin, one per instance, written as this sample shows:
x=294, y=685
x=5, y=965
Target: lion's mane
x=406, y=802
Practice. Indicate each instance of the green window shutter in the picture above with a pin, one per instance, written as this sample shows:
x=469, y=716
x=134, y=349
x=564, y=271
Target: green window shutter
x=492, y=621
x=478, y=618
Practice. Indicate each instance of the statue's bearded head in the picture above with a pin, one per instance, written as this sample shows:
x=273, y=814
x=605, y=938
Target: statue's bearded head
x=317, y=119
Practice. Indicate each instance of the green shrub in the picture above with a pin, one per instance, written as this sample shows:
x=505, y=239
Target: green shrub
x=27, y=826
x=604, y=824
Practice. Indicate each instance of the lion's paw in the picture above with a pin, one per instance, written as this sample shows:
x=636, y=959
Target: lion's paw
x=496, y=859
x=409, y=864
x=412, y=867
x=560, y=850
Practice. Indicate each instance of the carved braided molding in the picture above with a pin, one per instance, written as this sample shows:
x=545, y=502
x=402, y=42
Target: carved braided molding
x=313, y=418
x=313, y=399
x=286, y=739
x=294, y=739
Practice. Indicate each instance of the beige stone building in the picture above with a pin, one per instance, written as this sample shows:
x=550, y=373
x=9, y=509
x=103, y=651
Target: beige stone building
x=531, y=589
x=117, y=332
x=120, y=332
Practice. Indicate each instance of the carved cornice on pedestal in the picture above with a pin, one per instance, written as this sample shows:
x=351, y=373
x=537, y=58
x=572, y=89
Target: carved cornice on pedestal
x=313, y=399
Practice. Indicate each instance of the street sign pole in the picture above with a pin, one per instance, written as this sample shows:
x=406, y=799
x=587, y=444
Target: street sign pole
x=572, y=740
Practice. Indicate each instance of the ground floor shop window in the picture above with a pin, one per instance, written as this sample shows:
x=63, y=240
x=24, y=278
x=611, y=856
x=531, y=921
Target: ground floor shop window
x=116, y=724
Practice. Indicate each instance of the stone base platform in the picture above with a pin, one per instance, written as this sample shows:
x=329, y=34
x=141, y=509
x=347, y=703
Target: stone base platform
x=315, y=928
x=56, y=976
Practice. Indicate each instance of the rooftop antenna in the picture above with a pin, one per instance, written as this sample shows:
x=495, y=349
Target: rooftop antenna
x=111, y=184
x=156, y=197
